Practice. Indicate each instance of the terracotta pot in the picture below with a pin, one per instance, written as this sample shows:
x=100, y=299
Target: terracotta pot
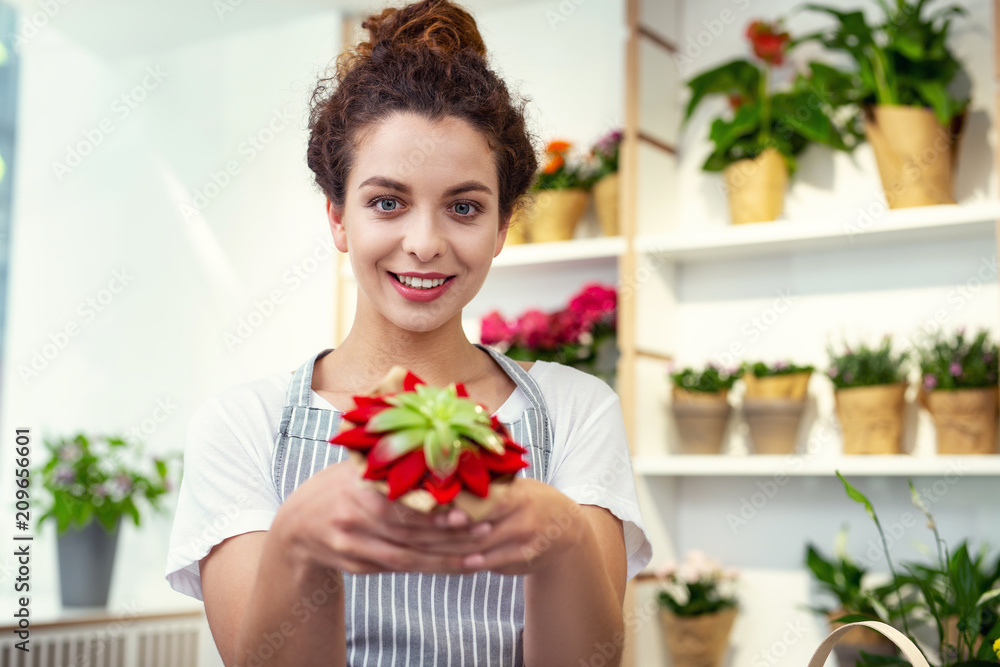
x=856, y=640
x=756, y=187
x=697, y=641
x=774, y=424
x=871, y=418
x=915, y=154
x=555, y=213
x=701, y=420
x=965, y=419
x=791, y=386
x=606, y=204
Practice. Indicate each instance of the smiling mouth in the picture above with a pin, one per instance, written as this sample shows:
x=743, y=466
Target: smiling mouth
x=420, y=283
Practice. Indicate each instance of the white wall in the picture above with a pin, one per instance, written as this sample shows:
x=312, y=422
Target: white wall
x=190, y=276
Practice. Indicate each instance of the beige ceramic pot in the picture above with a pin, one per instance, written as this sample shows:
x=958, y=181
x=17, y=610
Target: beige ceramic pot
x=555, y=213
x=697, y=641
x=756, y=187
x=606, y=204
x=701, y=420
x=871, y=418
x=965, y=420
x=915, y=154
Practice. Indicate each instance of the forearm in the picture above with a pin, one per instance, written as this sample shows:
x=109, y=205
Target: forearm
x=571, y=609
x=295, y=615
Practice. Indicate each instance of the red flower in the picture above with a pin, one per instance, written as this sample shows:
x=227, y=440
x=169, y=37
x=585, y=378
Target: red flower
x=495, y=330
x=533, y=330
x=769, y=44
x=552, y=166
x=594, y=303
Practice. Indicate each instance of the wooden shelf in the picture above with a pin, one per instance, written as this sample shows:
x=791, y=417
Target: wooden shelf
x=803, y=466
x=925, y=223
x=560, y=251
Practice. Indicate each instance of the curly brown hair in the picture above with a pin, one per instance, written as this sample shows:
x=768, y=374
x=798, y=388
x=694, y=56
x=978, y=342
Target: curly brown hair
x=426, y=58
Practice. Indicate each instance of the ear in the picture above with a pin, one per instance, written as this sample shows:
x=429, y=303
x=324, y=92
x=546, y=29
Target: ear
x=501, y=236
x=336, y=219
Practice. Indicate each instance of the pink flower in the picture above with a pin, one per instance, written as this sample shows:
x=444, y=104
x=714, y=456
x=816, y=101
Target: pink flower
x=955, y=369
x=930, y=382
x=495, y=330
x=533, y=330
x=566, y=327
x=594, y=302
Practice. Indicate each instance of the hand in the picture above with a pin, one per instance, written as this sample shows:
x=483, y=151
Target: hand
x=335, y=519
x=532, y=526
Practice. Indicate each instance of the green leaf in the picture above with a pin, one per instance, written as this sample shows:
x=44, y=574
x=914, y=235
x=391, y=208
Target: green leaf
x=936, y=96
x=963, y=581
x=736, y=77
x=394, y=419
x=857, y=496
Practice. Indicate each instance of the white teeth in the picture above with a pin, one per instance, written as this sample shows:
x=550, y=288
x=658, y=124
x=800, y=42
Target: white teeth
x=420, y=283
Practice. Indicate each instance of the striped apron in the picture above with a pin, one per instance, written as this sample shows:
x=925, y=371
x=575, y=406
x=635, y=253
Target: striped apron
x=416, y=618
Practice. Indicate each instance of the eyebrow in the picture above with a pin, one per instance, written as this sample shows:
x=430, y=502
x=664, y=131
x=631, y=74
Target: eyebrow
x=467, y=186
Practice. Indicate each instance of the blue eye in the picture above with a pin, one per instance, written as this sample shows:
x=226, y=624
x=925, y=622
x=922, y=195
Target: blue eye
x=386, y=201
x=468, y=208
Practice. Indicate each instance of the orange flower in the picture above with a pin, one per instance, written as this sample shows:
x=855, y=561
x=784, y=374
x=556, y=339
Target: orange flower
x=557, y=147
x=553, y=164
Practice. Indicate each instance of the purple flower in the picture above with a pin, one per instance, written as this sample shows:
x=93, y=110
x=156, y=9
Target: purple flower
x=64, y=476
x=100, y=491
x=955, y=369
x=70, y=452
x=832, y=372
x=988, y=357
x=780, y=365
x=930, y=382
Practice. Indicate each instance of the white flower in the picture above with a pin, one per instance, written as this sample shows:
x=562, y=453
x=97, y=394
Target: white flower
x=666, y=570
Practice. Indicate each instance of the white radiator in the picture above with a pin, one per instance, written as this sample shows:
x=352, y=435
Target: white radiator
x=139, y=642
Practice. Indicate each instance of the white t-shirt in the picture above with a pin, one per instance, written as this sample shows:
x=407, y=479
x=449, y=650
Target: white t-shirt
x=227, y=488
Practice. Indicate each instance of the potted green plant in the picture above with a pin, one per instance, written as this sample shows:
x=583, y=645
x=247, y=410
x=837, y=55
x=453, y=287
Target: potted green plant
x=605, y=180
x=870, y=389
x=904, y=80
x=698, y=604
x=756, y=144
x=842, y=579
x=959, y=389
x=91, y=483
x=559, y=196
x=773, y=404
x=958, y=597
x=700, y=406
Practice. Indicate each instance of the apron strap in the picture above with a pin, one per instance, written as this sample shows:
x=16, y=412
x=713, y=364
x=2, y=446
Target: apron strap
x=301, y=384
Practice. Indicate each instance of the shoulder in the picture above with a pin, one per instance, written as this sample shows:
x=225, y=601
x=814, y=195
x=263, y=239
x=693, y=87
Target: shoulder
x=568, y=389
x=247, y=413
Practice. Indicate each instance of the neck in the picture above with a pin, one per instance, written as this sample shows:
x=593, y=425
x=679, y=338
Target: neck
x=438, y=357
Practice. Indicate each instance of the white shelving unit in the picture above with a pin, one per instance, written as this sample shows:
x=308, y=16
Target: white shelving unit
x=929, y=223
x=839, y=267
x=803, y=465
x=536, y=254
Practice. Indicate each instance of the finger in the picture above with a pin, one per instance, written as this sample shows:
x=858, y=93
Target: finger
x=394, y=557
x=507, y=558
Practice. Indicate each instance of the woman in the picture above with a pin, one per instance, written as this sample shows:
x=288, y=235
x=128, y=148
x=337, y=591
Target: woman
x=422, y=156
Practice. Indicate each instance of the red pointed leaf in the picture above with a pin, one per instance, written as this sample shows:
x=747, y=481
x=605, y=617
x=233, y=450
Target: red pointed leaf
x=361, y=415
x=355, y=438
x=474, y=474
x=510, y=462
x=444, y=491
x=461, y=391
x=405, y=473
x=411, y=381
x=375, y=473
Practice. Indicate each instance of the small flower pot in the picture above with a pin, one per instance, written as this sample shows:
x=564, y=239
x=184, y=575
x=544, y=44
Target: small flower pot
x=871, y=418
x=697, y=641
x=791, y=386
x=86, y=562
x=965, y=419
x=756, y=187
x=774, y=423
x=915, y=154
x=606, y=204
x=554, y=214
x=517, y=230
x=701, y=420
x=848, y=649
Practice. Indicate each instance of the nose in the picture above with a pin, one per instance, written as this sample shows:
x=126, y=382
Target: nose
x=424, y=237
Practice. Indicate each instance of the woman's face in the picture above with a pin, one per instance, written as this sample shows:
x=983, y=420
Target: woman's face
x=420, y=220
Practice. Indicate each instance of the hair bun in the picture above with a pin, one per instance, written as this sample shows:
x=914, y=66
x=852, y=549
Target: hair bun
x=438, y=26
